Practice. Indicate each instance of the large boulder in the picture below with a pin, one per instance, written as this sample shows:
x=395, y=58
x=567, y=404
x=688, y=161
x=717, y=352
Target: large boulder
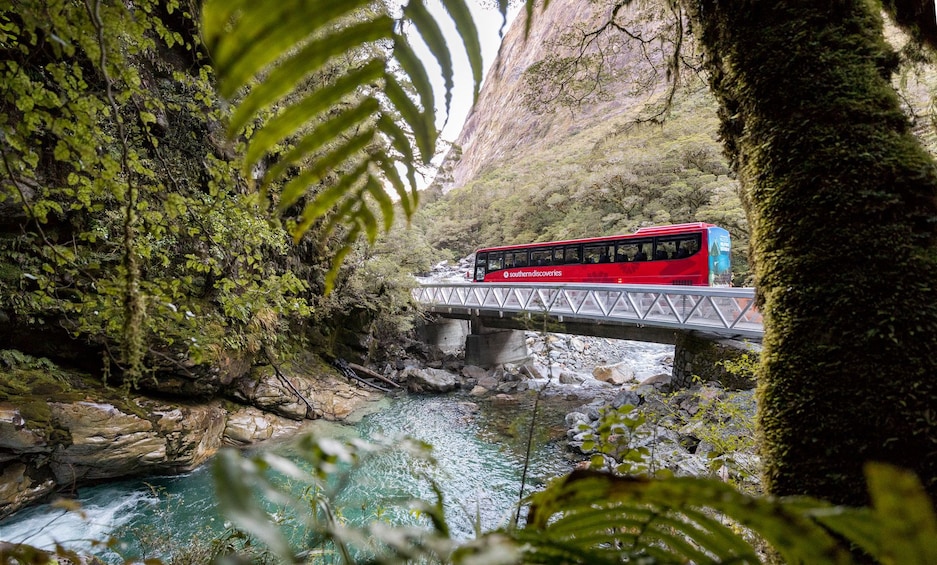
x=249, y=426
x=617, y=374
x=108, y=442
x=297, y=394
x=430, y=380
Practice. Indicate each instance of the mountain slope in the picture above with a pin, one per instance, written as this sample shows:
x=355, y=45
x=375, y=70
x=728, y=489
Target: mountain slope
x=502, y=125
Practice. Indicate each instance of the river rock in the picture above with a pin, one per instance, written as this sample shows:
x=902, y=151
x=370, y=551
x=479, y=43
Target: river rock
x=617, y=374
x=488, y=381
x=21, y=485
x=626, y=397
x=532, y=370
x=107, y=442
x=15, y=436
x=504, y=400
x=570, y=378
x=249, y=425
x=660, y=382
x=193, y=433
x=265, y=388
x=297, y=393
x=474, y=372
x=430, y=380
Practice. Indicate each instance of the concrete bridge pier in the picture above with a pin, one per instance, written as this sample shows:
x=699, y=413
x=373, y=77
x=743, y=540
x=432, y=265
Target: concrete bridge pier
x=698, y=356
x=448, y=334
x=489, y=347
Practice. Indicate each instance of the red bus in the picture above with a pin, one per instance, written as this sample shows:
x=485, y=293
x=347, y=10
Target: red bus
x=685, y=254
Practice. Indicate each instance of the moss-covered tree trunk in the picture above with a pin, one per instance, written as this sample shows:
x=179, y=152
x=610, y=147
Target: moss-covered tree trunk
x=843, y=205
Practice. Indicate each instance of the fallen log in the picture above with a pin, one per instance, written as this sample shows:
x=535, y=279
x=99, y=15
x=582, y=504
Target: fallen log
x=371, y=373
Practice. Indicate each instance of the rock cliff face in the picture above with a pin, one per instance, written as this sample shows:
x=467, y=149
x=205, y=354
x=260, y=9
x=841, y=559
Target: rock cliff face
x=502, y=125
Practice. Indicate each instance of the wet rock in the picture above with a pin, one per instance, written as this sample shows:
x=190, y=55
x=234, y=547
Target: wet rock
x=474, y=372
x=504, y=399
x=626, y=397
x=430, y=380
x=21, y=485
x=250, y=425
x=107, y=442
x=14, y=434
x=617, y=374
x=571, y=378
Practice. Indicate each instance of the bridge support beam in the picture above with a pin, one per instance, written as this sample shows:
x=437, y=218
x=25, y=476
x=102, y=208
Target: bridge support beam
x=700, y=356
x=489, y=347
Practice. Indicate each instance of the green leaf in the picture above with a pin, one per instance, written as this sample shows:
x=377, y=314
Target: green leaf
x=416, y=72
x=465, y=25
x=400, y=142
x=324, y=134
x=337, y=261
x=433, y=38
x=265, y=31
x=285, y=76
x=323, y=165
x=326, y=199
x=424, y=130
x=393, y=177
x=383, y=200
x=908, y=528
x=234, y=476
x=295, y=117
x=364, y=215
x=676, y=506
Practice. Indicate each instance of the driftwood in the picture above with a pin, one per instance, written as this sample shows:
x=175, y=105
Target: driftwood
x=372, y=380
x=371, y=373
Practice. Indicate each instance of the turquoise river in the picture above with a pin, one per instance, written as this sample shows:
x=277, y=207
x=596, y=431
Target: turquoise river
x=479, y=448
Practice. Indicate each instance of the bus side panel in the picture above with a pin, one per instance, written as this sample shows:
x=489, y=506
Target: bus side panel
x=720, y=261
x=692, y=271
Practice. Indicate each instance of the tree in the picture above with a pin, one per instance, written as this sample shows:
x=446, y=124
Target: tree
x=842, y=200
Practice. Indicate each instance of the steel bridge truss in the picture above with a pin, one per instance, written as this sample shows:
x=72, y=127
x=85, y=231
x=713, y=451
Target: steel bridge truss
x=725, y=311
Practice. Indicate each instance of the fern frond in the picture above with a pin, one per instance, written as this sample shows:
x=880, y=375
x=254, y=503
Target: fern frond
x=676, y=520
x=371, y=114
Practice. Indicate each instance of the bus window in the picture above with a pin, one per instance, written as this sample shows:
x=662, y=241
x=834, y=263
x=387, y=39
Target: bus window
x=495, y=261
x=558, y=256
x=597, y=253
x=665, y=249
x=541, y=257
x=633, y=250
x=680, y=247
x=481, y=261
x=572, y=254
x=515, y=259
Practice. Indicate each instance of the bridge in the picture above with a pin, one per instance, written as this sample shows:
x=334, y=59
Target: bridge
x=662, y=314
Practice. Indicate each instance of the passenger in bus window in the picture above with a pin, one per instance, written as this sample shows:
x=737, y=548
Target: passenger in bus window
x=640, y=255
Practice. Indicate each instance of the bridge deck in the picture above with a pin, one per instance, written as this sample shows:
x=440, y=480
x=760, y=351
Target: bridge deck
x=723, y=311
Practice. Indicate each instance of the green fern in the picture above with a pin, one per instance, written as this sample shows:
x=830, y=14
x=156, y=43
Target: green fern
x=366, y=123
x=594, y=517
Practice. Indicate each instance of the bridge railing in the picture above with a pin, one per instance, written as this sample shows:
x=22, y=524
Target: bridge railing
x=725, y=311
